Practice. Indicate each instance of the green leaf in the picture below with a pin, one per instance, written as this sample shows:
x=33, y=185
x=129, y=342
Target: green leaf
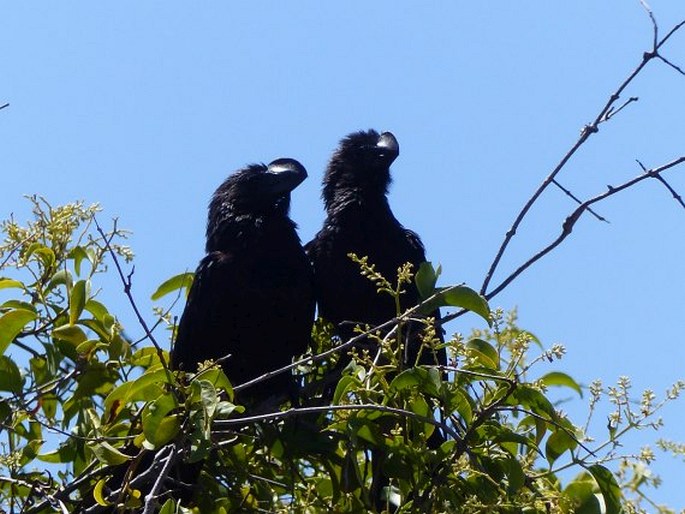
x=108, y=454
x=609, y=488
x=558, y=443
x=484, y=353
x=581, y=491
x=97, y=309
x=97, y=493
x=517, y=478
x=204, y=393
x=460, y=296
x=217, y=378
x=78, y=253
x=11, y=324
x=534, y=400
x=72, y=334
x=64, y=453
x=169, y=507
x=49, y=403
x=159, y=428
x=145, y=357
x=62, y=277
x=147, y=387
x=454, y=399
x=346, y=383
x=426, y=277
x=556, y=378
x=427, y=380
x=467, y=298
x=493, y=432
x=77, y=300
x=18, y=304
x=8, y=282
x=45, y=254
x=10, y=378
x=183, y=280
x=365, y=430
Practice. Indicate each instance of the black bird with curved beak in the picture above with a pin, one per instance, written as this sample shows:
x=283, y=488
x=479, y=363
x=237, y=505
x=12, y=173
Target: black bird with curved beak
x=359, y=220
x=252, y=301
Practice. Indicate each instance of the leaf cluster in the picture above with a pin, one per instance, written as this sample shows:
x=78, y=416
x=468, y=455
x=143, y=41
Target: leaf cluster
x=95, y=422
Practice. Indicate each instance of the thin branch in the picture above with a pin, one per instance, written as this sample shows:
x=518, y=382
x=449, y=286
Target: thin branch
x=613, y=112
x=655, y=27
x=571, y=220
x=532, y=414
x=330, y=408
x=669, y=63
x=568, y=193
x=35, y=486
x=604, y=115
x=86, y=475
x=4, y=105
x=675, y=29
x=127, y=290
x=668, y=186
x=151, y=502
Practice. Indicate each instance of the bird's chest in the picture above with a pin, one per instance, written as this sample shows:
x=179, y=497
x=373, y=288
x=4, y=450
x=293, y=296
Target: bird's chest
x=345, y=293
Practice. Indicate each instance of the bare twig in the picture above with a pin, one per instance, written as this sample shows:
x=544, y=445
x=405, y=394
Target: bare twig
x=35, y=486
x=151, y=502
x=605, y=114
x=571, y=220
x=126, y=281
x=669, y=63
x=4, y=105
x=568, y=193
x=655, y=27
x=668, y=186
x=613, y=112
x=86, y=475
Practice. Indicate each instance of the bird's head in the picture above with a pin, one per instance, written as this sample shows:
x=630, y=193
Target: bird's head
x=256, y=191
x=360, y=166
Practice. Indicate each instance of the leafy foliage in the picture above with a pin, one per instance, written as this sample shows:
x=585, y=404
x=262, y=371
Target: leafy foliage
x=111, y=422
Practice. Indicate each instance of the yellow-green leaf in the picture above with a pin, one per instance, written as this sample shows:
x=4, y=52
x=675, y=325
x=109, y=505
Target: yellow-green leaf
x=173, y=284
x=467, y=298
x=97, y=493
x=557, y=378
x=611, y=492
x=8, y=282
x=10, y=378
x=11, y=324
x=77, y=300
x=484, y=353
x=108, y=454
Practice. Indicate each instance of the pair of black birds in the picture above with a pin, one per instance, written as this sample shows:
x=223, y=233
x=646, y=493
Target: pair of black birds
x=252, y=303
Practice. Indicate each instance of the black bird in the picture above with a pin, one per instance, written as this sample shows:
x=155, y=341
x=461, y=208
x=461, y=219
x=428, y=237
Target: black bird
x=359, y=220
x=252, y=300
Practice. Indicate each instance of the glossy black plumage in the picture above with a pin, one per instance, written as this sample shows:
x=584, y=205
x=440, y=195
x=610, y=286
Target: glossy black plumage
x=359, y=220
x=253, y=293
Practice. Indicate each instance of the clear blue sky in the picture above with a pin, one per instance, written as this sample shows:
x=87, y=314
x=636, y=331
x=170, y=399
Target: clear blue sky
x=145, y=107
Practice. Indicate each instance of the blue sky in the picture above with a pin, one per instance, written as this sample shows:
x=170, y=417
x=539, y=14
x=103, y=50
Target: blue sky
x=146, y=107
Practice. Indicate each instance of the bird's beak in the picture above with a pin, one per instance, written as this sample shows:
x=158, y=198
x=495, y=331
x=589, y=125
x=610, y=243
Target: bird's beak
x=286, y=175
x=388, y=146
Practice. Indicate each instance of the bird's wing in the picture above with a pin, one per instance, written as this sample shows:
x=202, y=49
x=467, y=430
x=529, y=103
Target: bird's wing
x=213, y=286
